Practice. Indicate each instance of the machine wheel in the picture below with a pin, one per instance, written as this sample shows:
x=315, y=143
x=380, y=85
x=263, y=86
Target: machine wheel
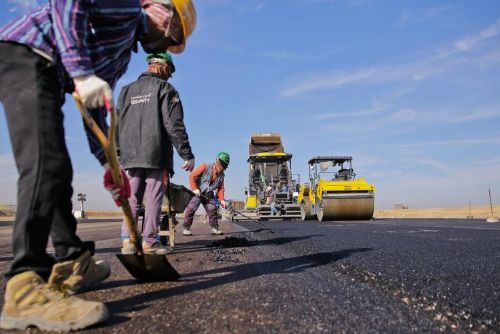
x=345, y=209
x=320, y=210
x=305, y=210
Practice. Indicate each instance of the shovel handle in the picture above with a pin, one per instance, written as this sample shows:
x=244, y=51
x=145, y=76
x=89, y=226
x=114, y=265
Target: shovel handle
x=109, y=146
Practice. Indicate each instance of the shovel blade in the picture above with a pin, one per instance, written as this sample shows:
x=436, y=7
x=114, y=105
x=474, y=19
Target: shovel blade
x=149, y=267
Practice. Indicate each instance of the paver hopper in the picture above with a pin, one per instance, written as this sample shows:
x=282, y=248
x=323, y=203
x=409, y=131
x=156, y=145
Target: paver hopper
x=270, y=166
x=333, y=192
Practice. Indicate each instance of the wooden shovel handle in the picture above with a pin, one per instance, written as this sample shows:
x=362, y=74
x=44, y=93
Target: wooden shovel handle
x=109, y=146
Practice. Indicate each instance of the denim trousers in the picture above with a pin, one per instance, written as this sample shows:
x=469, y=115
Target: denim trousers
x=32, y=99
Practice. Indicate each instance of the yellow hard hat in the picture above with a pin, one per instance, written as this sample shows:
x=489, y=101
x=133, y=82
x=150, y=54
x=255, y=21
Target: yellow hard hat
x=187, y=13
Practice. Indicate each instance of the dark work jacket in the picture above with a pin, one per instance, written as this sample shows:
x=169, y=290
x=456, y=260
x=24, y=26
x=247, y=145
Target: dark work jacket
x=150, y=119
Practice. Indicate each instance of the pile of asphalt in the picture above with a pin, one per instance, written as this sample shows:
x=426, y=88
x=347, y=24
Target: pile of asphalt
x=230, y=242
x=228, y=249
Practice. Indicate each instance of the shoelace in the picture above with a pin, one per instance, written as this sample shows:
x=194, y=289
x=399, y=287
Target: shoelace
x=51, y=292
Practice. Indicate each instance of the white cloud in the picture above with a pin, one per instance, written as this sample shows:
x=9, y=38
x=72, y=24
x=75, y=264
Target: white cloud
x=419, y=70
x=452, y=142
x=284, y=55
x=471, y=41
x=423, y=15
x=400, y=73
x=454, y=185
x=361, y=113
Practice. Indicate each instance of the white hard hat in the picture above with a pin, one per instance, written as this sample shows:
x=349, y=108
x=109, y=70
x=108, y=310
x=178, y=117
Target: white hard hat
x=269, y=188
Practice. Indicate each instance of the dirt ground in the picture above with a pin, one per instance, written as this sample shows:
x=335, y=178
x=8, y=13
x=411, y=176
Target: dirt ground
x=477, y=212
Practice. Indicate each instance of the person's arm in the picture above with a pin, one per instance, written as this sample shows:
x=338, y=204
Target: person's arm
x=194, y=174
x=173, y=121
x=220, y=193
x=99, y=117
x=71, y=28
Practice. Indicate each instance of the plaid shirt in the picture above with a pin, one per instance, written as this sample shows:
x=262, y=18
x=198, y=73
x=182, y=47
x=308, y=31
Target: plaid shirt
x=82, y=37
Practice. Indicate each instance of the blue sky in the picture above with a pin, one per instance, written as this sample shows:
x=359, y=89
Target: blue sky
x=410, y=89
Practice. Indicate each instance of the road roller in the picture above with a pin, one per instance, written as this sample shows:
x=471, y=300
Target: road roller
x=333, y=193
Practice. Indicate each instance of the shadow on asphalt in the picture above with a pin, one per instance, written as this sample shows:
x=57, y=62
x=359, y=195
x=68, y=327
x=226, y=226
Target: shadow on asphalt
x=112, y=250
x=224, y=276
x=203, y=244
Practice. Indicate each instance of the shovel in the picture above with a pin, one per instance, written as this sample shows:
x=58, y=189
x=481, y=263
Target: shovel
x=144, y=267
x=230, y=208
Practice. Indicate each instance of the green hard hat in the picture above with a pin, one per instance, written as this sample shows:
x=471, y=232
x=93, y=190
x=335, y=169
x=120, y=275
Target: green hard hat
x=224, y=158
x=163, y=55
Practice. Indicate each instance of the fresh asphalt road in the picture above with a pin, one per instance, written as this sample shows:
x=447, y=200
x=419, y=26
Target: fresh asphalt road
x=394, y=275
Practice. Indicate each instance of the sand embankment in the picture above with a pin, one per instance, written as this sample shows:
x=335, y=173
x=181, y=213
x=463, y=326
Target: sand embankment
x=477, y=212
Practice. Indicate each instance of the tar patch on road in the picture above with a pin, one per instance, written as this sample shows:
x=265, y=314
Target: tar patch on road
x=230, y=242
x=228, y=249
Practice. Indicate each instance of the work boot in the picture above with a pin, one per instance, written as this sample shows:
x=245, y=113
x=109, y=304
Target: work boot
x=155, y=248
x=29, y=301
x=187, y=232
x=128, y=247
x=80, y=274
x=216, y=231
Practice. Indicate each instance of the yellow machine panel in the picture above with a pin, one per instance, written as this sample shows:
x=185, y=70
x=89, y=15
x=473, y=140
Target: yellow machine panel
x=251, y=202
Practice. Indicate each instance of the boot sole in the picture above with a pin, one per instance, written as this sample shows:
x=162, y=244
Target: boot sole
x=97, y=315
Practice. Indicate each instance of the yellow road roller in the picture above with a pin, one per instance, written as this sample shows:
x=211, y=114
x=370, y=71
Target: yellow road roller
x=333, y=192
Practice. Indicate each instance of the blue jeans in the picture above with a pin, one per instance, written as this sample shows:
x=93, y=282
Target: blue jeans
x=32, y=99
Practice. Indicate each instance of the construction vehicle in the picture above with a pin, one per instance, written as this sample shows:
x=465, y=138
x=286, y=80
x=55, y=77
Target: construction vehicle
x=269, y=165
x=333, y=192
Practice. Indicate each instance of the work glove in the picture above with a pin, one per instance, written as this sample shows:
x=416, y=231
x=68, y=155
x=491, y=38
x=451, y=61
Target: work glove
x=223, y=204
x=93, y=91
x=197, y=192
x=116, y=190
x=188, y=165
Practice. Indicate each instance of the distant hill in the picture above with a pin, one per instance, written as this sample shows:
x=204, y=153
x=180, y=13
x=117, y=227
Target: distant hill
x=7, y=210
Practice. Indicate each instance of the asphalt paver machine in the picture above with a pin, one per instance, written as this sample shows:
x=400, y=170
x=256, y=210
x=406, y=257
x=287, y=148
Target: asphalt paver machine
x=269, y=165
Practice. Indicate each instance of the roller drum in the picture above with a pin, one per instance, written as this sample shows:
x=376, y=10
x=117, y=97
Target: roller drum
x=346, y=208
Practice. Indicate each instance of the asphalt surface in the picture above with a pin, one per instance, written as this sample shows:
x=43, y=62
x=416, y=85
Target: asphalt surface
x=397, y=276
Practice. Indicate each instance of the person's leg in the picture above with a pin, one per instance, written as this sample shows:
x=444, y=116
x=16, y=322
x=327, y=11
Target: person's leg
x=67, y=244
x=155, y=190
x=137, y=187
x=274, y=211
x=190, y=210
x=211, y=210
x=32, y=100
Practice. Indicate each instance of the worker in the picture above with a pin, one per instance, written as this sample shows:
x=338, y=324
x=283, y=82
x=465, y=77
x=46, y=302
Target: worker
x=204, y=180
x=150, y=123
x=271, y=200
x=57, y=48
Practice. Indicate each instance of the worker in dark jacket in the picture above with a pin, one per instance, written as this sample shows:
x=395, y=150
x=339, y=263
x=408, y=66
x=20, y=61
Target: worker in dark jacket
x=58, y=48
x=205, y=181
x=150, y=123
